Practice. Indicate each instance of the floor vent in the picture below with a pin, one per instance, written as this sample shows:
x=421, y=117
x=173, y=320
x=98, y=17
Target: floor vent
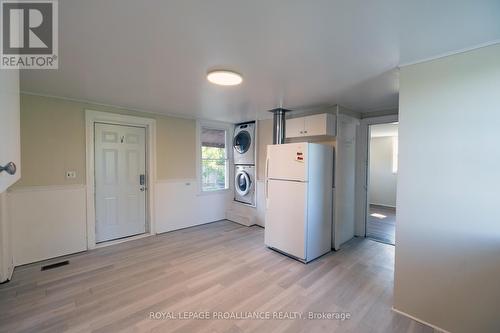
x=57, y=264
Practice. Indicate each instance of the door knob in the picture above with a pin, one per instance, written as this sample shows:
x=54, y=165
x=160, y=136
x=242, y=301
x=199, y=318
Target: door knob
x=142, y=188
x=10, y=168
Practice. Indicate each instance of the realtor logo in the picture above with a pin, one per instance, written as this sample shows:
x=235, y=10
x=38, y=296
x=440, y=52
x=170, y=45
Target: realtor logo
x=29, y=34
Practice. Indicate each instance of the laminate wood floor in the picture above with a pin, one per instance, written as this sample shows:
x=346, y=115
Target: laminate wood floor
x=218, y=267
x=381, y=227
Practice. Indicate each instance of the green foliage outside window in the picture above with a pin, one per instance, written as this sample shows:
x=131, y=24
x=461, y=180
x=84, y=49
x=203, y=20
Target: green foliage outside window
x=213, y=168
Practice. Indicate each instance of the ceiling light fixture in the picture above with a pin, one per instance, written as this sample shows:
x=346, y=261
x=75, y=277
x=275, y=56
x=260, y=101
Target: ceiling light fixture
x=224, y=77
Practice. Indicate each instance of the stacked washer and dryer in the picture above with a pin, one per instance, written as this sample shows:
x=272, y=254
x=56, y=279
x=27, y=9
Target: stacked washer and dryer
x=244, y=163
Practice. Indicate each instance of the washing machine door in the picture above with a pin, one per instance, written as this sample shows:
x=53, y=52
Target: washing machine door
x=242, y=183
x=242, y=142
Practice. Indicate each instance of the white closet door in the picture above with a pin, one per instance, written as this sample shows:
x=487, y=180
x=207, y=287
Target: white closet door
x=120, y=198
x=10, y=151
x=345, y=176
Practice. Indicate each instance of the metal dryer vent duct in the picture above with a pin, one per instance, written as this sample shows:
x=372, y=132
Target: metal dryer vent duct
x=279, y=125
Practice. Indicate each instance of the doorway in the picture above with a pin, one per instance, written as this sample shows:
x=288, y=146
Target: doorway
x=382, y=182
x=120, y=181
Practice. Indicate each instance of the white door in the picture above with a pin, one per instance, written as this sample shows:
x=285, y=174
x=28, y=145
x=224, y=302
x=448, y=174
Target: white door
x=10, y=152
x=286, y=215
x=345, y=169
x=10, y=142
x=287, y=161
x=120, y=181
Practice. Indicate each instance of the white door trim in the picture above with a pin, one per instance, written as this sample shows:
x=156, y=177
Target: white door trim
x=91, y=117
x=362, y=169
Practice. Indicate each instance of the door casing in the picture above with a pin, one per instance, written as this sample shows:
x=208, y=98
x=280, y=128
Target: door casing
x=92, y=117
x=362, y=157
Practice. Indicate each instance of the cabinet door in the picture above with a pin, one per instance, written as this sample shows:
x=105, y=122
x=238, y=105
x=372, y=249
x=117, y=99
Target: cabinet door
x=294, y=128
x=10, y=143
x=316, y=125
x=320, y=124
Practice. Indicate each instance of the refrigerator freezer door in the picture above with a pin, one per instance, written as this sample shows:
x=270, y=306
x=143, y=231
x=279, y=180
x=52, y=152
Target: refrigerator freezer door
x=286, y=214
x=287, y=161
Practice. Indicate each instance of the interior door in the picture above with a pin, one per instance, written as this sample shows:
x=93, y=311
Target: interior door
x=10, y=152
x=345, y=187
x=120, y=181
x=10, y=142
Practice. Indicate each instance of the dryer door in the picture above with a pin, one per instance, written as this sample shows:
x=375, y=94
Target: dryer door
x=242, y=142
x=242, y=183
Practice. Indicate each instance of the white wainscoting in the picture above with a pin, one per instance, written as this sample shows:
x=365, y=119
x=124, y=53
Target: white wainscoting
x=180, y=205
x=47, y=222
x=50, y=221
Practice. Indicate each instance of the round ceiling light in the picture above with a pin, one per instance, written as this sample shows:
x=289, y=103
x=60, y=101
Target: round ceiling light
x=224, y=78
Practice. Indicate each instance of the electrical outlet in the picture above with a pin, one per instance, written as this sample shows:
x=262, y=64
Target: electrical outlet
x=70, y=174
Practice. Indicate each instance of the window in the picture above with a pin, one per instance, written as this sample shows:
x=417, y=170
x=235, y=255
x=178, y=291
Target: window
x=214, y=159
x=395, y=154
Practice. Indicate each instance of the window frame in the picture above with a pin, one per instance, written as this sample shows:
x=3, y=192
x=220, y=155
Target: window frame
x=215, y=125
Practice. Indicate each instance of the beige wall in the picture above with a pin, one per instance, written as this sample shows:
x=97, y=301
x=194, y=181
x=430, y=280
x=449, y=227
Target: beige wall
x=383, y=182
x=53, y=141
x=447, y=268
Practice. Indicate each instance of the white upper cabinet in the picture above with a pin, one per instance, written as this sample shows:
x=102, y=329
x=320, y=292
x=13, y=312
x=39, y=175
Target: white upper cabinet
x=316, y=125
x=294, y=127
x=10, y=143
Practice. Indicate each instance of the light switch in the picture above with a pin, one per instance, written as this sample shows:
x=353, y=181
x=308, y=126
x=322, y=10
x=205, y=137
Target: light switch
x=70, y=174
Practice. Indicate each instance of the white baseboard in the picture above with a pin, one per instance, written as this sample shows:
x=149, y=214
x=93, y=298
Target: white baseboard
x=420, y=320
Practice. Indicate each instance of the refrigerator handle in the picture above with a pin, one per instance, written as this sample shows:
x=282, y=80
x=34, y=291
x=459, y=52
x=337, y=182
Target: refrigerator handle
x=267, y=185
x=267, y=167
x=267, y=179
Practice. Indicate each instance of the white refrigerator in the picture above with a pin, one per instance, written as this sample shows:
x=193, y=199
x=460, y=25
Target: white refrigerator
x=298, y=219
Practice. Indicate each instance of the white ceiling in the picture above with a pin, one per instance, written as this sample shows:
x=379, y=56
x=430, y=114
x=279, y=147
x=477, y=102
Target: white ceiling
x=381, y=130
x=153, y=55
